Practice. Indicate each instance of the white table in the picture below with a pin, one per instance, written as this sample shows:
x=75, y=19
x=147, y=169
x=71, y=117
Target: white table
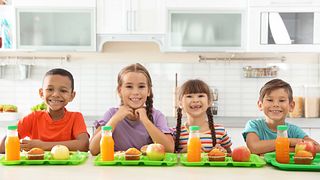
x=88, y=171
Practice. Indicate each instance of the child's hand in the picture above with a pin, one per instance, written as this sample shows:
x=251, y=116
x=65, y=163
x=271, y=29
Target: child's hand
x=125, y=111
x=29, y=144
x=141, y=113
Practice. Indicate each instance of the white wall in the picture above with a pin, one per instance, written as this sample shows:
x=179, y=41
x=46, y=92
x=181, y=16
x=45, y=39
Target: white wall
x=95, y=81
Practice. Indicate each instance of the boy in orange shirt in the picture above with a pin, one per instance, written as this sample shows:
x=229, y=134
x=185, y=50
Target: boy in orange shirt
x=56, y=125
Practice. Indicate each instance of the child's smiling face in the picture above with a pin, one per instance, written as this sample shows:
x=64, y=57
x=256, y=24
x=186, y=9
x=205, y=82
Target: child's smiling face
x=276, y=105
x=195, y=105
x=134, y=89
x=56, y=92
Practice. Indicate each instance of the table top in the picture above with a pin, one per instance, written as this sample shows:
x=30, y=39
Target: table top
x=89, y=171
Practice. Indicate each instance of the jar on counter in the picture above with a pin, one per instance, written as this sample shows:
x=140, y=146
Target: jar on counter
x=298, y=98
x=312, y=101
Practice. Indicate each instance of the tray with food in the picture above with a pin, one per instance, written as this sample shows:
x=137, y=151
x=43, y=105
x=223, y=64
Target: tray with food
x=298, y=162
x=134, y=157
x=57, y=156
x=241, y=157
x=254, y=161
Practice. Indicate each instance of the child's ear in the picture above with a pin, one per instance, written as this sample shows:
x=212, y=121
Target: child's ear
x=73, y=94
x=291, y=106
x=41, y=93
x=259, y=103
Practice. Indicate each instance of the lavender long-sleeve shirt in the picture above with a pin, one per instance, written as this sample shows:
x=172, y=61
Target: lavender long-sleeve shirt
x=130, y=133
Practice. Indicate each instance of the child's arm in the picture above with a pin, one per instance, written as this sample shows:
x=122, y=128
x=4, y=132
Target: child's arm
x=258, y=146
x=94, y=145
x=156, y=135
x=81, y=143
x=2, y=145
x=307, y=138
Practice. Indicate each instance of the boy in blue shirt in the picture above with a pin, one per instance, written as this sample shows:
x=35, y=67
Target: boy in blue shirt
x=276, y=101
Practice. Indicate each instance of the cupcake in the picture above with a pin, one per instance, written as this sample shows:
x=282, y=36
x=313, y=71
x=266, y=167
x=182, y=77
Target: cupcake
x=216, y=155
x=303, y=157
x=132, y=154
x=35, y=154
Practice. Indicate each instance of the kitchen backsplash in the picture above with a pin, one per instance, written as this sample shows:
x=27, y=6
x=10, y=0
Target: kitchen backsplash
x=95, y=83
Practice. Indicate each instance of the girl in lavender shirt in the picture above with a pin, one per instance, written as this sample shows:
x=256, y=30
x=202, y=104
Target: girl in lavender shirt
x=135, y=123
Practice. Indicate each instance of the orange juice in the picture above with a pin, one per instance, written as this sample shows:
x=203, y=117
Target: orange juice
x=107, y=144
x=282, y=150
x=12, y=144
x=194, y=150
x=282, y=145
x=194, y=145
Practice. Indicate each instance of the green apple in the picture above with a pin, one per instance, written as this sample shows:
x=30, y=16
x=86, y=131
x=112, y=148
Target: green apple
x=156, y=152
x=60, y=152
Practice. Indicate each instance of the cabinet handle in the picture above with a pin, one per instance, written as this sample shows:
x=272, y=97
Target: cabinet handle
x=127, y=21
x=134, y=13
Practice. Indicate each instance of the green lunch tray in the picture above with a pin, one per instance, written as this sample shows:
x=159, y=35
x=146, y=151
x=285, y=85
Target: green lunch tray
x=314, y=166
x=74, y=159
x=169, y=160
x=255, y=161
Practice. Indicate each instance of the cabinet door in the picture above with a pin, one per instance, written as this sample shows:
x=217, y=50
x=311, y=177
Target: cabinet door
x=112, y=16
x=148, y=16
x=130, y=16
x=286, y=29
x=56, y=29
x=206, y=30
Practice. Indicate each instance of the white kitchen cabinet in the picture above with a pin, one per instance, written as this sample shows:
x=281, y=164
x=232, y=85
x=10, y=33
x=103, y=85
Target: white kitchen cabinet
x=56, y=29
x=284, y=27
x=54, y=3
x=207, y=4
x=206, y=30
x=130, y=16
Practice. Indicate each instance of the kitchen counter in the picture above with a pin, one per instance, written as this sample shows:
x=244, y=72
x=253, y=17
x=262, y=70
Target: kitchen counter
x=89, y=171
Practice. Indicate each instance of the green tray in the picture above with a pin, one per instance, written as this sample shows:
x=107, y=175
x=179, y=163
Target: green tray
x=314, y=166
x=169, y=160
x=75, y=159
x=255, y=161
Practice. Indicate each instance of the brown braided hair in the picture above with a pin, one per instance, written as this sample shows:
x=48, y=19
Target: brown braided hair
x=178, y=129
x=275, y=84
x=194, y=86
x=138, y=68
x=211, y=127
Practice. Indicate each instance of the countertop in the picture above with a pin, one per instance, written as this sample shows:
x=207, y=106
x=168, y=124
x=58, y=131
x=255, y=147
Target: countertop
x=89, y=171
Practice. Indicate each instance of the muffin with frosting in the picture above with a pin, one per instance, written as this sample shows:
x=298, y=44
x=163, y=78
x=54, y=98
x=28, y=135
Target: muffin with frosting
x=132, y=154
x=35, y=154
x=303, y=157
x=216, y=155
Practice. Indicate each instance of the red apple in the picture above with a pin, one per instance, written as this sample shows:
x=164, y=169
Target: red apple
x=155, y=152
x=241, y=154
x=307, y=146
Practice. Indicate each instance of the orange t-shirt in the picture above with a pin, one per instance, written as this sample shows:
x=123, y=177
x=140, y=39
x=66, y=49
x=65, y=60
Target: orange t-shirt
x=39, y=125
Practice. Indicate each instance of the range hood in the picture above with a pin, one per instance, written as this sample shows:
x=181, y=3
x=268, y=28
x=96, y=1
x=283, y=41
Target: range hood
x=152, y=39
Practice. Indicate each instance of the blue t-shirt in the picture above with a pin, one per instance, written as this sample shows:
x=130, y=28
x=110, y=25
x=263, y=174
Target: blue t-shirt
x=259, y=126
